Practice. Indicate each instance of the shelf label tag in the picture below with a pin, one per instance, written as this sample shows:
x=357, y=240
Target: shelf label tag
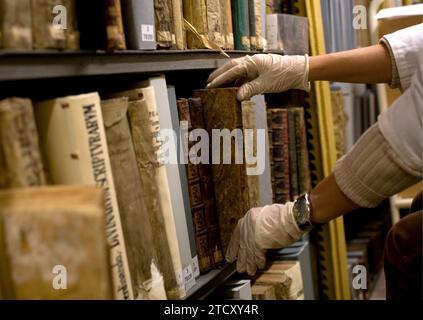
x=147, y=32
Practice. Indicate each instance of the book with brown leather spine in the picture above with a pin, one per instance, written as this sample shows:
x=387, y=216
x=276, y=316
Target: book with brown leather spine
x=303, y=166
x=196, y=196
x=222, y=111
x=15, y=24
x=195, y=12
x=292, y=147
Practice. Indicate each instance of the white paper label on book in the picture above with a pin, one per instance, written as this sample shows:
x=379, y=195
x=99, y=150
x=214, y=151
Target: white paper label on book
x=189, y=278
x=147, y=33
x=195, y=267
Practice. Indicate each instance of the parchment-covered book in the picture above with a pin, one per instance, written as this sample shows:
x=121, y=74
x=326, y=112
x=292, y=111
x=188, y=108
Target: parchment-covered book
x=53, y=244
x=147, y=282
x=20, y=158
x=15, y=24
x=195, y=12
x=165, y=29
x=73, y=142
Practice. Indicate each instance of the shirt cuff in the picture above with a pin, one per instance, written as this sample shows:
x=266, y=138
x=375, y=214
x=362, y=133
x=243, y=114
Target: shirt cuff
x=368, y=174
x=395, y=79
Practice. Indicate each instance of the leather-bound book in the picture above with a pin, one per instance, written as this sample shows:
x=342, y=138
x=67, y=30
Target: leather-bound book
x=280, y=151
x=240, y=24
x=147, y=282
x=165, y=32
x=303, y=165
x=222, y=111
x=252, y=25
x=145, y=129
x=196, y=196
x=208, y=192
x=259, y=24
x=195, y=12
x=72, y=32
x=114, y=26
x=53, y=244
x=84, y=160
x=263, y=292
x=15, y=24
x=20, y=158
x=292, y=147
x=138, y=18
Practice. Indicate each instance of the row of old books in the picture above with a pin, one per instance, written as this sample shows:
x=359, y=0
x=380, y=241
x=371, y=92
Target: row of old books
x=150, y=24
x=280, y=280
x=289, y=156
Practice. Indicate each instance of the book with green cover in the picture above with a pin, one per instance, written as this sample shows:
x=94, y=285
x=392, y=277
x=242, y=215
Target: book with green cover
x=240, y=24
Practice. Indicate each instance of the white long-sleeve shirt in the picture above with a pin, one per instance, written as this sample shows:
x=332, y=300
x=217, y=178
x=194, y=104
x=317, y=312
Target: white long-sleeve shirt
x=389, y=156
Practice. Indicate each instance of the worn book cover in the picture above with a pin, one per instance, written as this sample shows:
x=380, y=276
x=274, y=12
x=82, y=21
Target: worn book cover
x=263, y=292
x=195, y=12
x=178, y=24
x=147, y=282
x=222, y=110
x=52, y=238
x=196, y=196
x=214, y=22
x=280, y=151
x=230, y=30
x=145, y=130
x=252, y=25
x=292, y=147
x=15, y=24
x=240, y=24
x=208, y=192
x=20, y=158
x=165, y=29
x=84, y=160
x=304, y=179
x=138, y=18
x=47, y=31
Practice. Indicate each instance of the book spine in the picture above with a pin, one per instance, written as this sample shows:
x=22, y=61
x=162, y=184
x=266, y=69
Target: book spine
x=114, y=26
x=230, y=37
x=137, y=228
x=187, y=227
x=196, y=196
x=281, y=172
x=271, y=159
x=145, y=129
x=303, y=161
x=15, y=24
x=250, y=146
x=214, y=22
x=292, y=155
x=195, y=12
x=46, y=35
x=223, y=111
x=252, y=25
x=72, y=32
x=178, y=23
x=48, y=231
x=165, y=33
x=209, y=199
x=259, y=24
x=139, y=24
x=20, y=158
x=240, y=24
x=84, y=160
x=224, y=23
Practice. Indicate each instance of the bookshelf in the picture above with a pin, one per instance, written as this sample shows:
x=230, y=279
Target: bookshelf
x=44, y=64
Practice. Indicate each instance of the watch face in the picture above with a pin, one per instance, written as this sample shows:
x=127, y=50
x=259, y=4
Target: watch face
x=301, y=212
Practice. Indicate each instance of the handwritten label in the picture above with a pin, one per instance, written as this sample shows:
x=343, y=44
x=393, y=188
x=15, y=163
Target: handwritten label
x=147, y=32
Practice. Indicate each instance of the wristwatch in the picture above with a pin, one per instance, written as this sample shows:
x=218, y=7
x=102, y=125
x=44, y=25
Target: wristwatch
x=302, y=212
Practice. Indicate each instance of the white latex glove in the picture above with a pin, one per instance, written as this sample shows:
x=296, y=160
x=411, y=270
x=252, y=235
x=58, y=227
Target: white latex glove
x=263, y=73
x=270, y=227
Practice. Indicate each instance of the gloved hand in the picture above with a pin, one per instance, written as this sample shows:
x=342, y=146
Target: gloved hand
x=270, y=227
x=263, y=73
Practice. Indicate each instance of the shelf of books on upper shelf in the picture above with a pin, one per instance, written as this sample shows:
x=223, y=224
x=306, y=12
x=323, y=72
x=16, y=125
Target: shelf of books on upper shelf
x=19, y=65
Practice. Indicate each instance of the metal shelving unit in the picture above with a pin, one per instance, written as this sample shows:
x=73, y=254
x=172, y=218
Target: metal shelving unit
x=31, y=65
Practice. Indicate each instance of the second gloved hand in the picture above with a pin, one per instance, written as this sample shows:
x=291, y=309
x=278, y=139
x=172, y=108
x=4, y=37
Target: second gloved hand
x=263, y=73
x=270, y=227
